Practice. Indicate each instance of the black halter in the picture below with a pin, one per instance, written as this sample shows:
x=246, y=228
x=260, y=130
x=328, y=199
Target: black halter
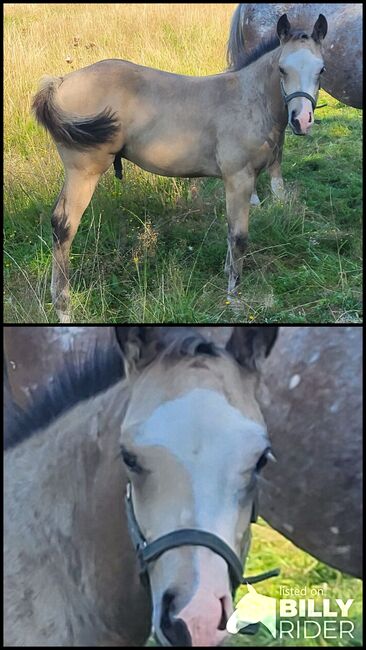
x=150, y=551
x=298, y=93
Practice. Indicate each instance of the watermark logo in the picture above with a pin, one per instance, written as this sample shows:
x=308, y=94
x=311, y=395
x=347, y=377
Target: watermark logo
x=294, y=618
x=253, y=608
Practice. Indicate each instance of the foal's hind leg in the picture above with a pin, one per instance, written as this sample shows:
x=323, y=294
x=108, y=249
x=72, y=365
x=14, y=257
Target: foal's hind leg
x=238, y=188
x=80, y=183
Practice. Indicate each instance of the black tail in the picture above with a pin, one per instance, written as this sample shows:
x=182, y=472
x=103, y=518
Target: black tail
x=75, y=132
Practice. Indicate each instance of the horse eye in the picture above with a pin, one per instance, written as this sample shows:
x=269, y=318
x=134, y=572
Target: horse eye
x=322, y=70
x=262, y=461
x=282, y=71
x=130, y=460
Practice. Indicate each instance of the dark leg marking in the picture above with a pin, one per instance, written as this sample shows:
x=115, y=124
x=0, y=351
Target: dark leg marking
x=241, y=243
x=60, y=228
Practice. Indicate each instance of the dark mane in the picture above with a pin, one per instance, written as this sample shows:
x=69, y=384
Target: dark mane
x=244, y=59
x=77, y=381
x=239, y=59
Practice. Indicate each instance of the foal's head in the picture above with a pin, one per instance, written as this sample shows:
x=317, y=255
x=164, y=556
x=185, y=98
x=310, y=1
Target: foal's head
x=301, y=65
x=193, y=440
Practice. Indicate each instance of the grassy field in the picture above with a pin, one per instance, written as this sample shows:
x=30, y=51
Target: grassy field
x=152, y=249
x=269, y=549
x=298, y=569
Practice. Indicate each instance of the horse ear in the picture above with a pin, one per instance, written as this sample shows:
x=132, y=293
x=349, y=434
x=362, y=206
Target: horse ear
x=283, y=28
x=139, y=345
x=251, y=345
x=320, y=29
x=130, y=341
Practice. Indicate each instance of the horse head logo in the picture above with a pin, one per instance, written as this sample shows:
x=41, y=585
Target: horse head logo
x=253, y=608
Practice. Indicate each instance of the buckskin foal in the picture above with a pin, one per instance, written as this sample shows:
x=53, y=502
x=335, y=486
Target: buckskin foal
x=228, y=125
x=254, y=23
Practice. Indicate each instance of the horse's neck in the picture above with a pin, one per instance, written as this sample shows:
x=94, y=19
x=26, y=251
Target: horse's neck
x=260, y=83
x=64, y=501
x=57, y=464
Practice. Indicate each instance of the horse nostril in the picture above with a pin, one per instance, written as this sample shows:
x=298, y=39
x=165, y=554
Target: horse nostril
x=178, y=634
x=295, y=122
x=167, y=605
x=223, y=620
x=174, y=630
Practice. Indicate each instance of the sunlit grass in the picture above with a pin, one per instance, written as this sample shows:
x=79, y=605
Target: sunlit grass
x=299, y=570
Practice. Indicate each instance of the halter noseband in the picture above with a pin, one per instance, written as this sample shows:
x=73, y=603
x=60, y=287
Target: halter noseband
x=148, y=552
x=298, y=93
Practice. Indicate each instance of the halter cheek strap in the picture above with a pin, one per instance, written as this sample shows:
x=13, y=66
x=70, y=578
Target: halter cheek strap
x=148, y=552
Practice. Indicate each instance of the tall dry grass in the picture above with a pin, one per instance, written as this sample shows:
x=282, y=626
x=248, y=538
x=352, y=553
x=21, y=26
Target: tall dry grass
x=58, y=38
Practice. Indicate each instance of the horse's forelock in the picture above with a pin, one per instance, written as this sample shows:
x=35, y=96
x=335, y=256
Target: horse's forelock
x=143, y=346
x=299, y=35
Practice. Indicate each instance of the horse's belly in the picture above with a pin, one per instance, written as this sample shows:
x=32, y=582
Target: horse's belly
x=181, y=155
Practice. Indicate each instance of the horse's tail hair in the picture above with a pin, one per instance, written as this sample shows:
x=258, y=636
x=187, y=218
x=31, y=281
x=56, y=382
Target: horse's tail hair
x=73, y=131
x=236, y=55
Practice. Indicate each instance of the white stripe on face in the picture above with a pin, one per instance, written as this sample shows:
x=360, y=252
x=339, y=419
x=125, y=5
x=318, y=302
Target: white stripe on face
x=215, y=444
x=302, y=70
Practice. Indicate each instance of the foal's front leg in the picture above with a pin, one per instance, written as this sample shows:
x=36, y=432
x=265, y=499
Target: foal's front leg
x=238, y=188
x=275, y=172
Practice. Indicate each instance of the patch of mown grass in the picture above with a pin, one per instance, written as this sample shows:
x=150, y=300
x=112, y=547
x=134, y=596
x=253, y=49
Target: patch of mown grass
x=304, y=258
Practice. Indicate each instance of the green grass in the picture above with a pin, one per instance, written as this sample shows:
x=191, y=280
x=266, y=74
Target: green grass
x=299, y=570
x=153, y=249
